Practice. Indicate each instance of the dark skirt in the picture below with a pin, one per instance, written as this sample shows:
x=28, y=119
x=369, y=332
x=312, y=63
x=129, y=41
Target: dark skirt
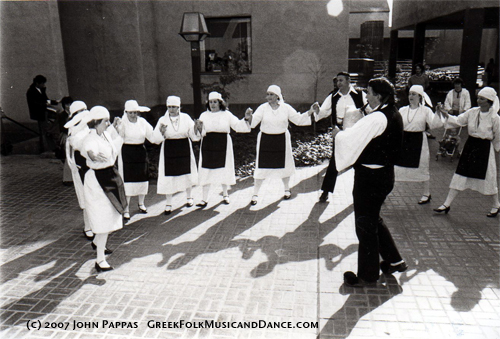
x=272, y=150
x=473, y=161
x=135, y=163
x=81, y=164
x=411, y=150
x=177, y=156
x=112, y=184
x=213, y=150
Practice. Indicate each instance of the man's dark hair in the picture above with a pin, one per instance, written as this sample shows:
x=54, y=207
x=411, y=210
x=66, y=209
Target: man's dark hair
x=458, y=81
x=39, y=79
x=384, y=88
x=66, y=101
x=347, y=75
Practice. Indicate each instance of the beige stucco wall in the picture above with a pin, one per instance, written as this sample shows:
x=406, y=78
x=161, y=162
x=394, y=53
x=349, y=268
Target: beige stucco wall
x=30, y=44
x=118, y=50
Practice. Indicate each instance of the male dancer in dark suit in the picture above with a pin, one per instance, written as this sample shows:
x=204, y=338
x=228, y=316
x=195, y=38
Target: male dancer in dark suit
x=37, y=105
x=336, y=104
x=372, y=146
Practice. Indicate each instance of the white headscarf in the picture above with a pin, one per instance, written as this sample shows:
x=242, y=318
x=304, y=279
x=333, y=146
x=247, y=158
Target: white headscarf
x=76, y=107
x=98, y=113
x=276, y=90
x=490, y=94
x=419, y=89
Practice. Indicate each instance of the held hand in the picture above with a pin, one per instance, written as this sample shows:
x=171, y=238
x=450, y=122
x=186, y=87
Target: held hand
x=248, y=115
x=163, y=129
x=248, y=111
x=315, y=107
x=99, y=157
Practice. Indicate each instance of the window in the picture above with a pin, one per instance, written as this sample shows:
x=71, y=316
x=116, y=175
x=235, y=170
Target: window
x=228, y=47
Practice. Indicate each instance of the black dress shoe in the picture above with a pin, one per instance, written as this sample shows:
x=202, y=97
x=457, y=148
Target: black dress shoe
x=90, y=238
x=143, y=209
x=202, y=204
x=102, y=269
x=253, y=202
x=288, y=195
x=352, y=280
x=425, y=199
x=493, y=214
x=442, y=208
x=387, y=268
x=106, y=251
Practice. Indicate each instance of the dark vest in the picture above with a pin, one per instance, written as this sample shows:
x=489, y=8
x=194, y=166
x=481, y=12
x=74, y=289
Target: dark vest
x=356, y=97
x=384, y=149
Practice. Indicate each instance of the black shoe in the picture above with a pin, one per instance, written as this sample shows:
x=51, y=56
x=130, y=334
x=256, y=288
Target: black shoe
x=323, y=197
x=288, y=195
x=493, y=214
x=425, y=199
x=106, y=251
x=143, y=209
x=387, y=268
x=442, y=208
x=168, y=210
x=102, y=269
x=202, y=204
x=352, y=280
x=90, y=238
x=253, y=202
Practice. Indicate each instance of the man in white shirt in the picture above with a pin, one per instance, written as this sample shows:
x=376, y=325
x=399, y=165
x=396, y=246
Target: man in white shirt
x=458, y=99
x=341, y=105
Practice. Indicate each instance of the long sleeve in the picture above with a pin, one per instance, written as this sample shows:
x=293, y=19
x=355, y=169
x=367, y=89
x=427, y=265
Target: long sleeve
x=448, y=102
x=157, y=137
x=299, y=119
x=496, y=132
x=433, y=120
x=257, y=116
x=467, y=102
x=459, y=121
x=239, y=125
x=191, y=132
x=325, y=109
x=349, y=144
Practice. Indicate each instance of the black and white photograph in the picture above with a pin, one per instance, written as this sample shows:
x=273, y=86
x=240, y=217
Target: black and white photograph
x=289, y=169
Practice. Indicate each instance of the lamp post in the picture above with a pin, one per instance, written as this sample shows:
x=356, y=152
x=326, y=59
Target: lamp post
x=193, y=30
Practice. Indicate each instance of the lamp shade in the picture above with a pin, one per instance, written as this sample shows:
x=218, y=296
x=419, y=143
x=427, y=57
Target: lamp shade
x=193, y=27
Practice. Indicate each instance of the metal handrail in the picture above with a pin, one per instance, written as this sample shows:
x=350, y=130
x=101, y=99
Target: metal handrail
x=3, y=116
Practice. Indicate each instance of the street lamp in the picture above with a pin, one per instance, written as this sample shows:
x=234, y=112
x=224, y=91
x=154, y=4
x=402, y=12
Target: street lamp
x=193, y=30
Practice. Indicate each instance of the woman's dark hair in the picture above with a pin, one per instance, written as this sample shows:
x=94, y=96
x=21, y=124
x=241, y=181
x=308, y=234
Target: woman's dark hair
x=421, y=66
x=345, y=74
x=66, y=101
x=384, y=88
x=39, y=79
x=93, y=123
x=458, y=81
x=222, y=105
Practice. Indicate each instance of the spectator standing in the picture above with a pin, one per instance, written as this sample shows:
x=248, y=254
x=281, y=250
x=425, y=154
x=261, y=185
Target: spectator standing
x=458, y=99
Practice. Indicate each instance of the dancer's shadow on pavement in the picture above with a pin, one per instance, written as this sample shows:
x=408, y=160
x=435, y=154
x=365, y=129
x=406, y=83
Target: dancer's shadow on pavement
x=303, y=244
x=360, y=302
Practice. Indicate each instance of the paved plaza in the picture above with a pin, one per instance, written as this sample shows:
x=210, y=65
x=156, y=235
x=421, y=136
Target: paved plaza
x=275, y=268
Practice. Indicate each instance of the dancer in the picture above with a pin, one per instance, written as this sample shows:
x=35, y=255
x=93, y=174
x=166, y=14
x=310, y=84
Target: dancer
x=476, y=168
x=177, y=167
x=216, y=165
x=274, y=146
x=413, y=162
x=104, y=192
x=133, y=159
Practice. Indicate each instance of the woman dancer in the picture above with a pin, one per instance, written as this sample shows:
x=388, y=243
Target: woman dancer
x=104, y=192
x=133, y=159
x=216, y=155
x=413, y=162
x=177, y=167
x=274, y=146
x=476, y=168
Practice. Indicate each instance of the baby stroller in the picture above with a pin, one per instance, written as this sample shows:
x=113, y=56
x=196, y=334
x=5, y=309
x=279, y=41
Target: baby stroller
x=448, y=146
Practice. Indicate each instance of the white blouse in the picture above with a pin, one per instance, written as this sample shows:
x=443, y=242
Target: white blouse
x=184, y=128
x=136, y=133
x=276, y=121
x=415, y=120
x=222, y=122
x=104, y=144
x=480, y=125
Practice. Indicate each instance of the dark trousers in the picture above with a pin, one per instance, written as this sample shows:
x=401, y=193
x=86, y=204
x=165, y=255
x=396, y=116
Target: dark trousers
x=330, y=175
x=371, y=187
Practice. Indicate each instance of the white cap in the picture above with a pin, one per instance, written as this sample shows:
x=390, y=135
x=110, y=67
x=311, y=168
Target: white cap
x=98, y=113
x=133, y=106
x=215, y=96
x=76, y=106
x=490, y=94
x=173, y=101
